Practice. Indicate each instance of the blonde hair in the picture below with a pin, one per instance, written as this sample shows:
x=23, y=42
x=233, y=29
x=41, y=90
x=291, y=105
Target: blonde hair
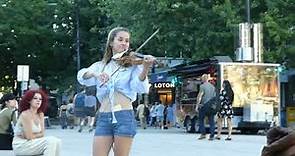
x=205, y=77
x=108, y=49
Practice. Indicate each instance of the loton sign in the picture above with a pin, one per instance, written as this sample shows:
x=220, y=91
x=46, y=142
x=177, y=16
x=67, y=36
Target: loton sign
x=163, y=85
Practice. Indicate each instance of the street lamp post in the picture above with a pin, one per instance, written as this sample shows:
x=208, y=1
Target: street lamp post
x=78, y=33
x=248, y=11
x=77, y=9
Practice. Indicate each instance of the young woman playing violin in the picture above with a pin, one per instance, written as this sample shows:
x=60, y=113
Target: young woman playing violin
x=117, y=86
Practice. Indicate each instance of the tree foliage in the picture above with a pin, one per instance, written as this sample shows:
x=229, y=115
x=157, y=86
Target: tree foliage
x=42, y=33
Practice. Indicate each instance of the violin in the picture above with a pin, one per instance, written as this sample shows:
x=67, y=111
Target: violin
x=129, y=58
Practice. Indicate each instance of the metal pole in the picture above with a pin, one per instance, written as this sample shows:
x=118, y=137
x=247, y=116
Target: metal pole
x=78, y=33
x=77, y=9
x=248, y=3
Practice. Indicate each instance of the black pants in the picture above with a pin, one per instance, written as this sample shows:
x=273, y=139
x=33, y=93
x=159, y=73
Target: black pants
x=6, y=141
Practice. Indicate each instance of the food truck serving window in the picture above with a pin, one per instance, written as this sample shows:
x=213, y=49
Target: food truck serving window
x=252, y=84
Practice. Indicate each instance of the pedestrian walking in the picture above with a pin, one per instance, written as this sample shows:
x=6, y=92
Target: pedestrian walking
x=146, y=113
x=165, y=121
x=90, y=109
x=29, y=130
x=140, y=112
x=63, y=116
x=207, y=91
x=91, y=104
x=153, y=115
x=7, y=119
x=79, y=108
x=70, y=114
x=226, y=111
x=118, y=84
x=170, y=116
x=160, y=115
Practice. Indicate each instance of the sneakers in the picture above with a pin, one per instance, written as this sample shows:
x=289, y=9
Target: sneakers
x=202, y=136
x=228, y=139
x=80, y=129
x=217, y=137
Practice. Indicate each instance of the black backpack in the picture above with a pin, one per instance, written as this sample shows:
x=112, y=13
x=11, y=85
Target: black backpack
x=213, y=105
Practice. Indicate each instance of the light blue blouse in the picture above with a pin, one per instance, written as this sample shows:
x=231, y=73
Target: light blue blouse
x=125, y=80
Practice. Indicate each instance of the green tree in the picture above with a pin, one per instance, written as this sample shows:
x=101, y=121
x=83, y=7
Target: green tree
x=279, y=31
x=201, y=29
x=42, y=33
x=197, y=29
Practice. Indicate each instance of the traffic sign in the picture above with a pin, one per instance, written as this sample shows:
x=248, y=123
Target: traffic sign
x=22, y=72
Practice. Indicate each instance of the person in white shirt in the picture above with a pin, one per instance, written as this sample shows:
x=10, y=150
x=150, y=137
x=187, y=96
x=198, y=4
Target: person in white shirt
x=141, y=115
x=118, y=84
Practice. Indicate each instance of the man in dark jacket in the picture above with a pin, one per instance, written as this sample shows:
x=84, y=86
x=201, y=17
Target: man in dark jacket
x=280, y=142
x=207, y=92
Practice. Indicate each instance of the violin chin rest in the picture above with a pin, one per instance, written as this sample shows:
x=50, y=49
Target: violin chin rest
x=119, y=55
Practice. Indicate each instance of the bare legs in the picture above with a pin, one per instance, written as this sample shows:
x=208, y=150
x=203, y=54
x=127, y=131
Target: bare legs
x=81, y=123
x=219, y=127
x=229, y=126
x=102, y=145
x=122, y=146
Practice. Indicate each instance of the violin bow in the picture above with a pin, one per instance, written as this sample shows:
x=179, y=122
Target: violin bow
x=146, y=41
x=136, y=51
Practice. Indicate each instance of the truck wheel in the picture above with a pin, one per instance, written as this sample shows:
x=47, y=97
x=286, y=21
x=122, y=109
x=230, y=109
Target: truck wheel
x=187, y=124
x=253, y=131
x=243, y=131
x=194, y=125
x=249, y=131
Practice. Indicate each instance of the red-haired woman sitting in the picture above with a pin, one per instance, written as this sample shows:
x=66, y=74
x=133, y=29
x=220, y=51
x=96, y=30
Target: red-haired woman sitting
x=29, y=130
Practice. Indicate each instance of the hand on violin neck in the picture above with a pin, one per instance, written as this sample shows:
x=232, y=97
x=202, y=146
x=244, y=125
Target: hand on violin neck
x=148, y=60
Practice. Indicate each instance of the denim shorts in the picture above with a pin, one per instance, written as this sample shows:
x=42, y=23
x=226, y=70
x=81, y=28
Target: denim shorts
x=125, y=126
x=160, y=118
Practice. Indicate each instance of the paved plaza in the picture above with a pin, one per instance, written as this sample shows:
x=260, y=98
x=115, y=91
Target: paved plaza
x=156, y=142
